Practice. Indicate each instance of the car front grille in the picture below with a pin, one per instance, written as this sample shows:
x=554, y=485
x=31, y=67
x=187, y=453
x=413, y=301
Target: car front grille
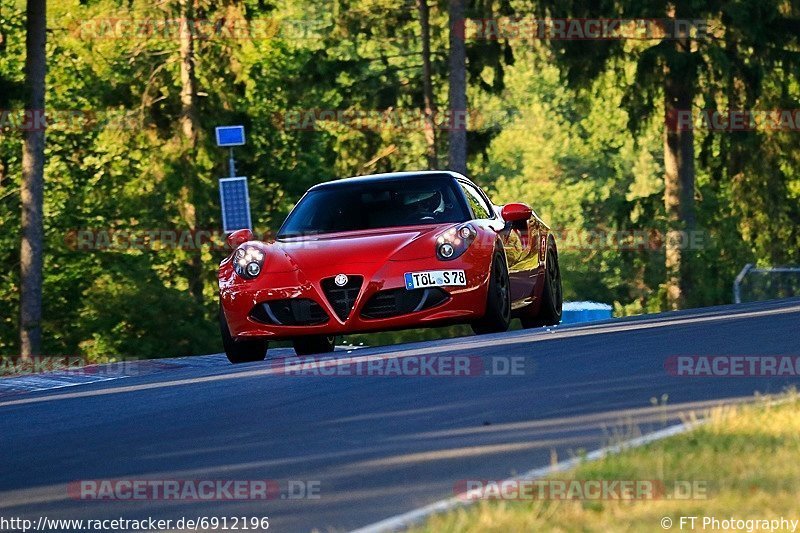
x=290, y=312
x=396, y=302
x=343, y=298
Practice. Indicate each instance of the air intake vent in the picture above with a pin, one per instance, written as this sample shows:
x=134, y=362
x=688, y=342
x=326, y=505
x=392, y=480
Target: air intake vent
x=395, y=302
x=290, y=312
x=343, y=298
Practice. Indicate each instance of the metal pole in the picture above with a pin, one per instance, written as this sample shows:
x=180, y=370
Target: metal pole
x=737, y=293
x=231, y=164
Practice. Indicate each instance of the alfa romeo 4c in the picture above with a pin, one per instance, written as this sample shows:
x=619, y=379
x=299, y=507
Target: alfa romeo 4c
x=388, y=251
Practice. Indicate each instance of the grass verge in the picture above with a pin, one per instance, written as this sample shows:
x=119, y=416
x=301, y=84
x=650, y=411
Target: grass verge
x=744, y=462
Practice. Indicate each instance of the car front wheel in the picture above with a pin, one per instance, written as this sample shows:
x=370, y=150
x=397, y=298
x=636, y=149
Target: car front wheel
x=498, y=299
x=246, y=351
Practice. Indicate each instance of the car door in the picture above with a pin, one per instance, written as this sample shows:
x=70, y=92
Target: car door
x=525, y=243
x=520, y=242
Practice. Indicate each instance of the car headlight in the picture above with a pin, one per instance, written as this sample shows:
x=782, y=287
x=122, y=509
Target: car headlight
x=455, y=241
x=248, y=261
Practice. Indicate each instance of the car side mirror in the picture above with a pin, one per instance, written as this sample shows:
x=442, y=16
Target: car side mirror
x=238, y=237
x=516, y=212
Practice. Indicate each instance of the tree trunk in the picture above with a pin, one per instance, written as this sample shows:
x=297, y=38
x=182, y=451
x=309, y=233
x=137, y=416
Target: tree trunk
x=427, y=84
x=190, y=126
x=458, y=88
x=678, y=177
x=32, y=191
x=188, y=120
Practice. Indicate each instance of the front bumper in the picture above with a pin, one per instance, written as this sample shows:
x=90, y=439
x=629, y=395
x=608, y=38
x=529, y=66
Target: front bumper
x=240, y=298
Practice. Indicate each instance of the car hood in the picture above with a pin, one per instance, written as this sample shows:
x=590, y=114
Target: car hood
x=369, y=246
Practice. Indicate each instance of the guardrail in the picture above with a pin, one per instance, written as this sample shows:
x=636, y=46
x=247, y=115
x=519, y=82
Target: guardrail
x=750, y=268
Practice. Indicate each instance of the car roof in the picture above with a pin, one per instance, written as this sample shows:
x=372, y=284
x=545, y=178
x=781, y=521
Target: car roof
x=389, y=176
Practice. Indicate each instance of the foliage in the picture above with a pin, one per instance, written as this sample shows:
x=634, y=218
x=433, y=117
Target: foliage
x=123, y=165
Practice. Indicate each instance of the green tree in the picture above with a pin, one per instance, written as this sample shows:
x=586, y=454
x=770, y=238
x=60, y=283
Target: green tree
x=672, y=74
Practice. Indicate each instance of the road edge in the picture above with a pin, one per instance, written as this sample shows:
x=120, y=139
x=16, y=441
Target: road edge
x=404, y=521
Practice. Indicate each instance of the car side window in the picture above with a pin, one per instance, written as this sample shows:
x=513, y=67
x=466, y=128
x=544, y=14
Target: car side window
x=480, y=207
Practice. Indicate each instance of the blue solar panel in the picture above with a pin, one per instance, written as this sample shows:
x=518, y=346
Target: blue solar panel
x=235, y=201
x=230, y=135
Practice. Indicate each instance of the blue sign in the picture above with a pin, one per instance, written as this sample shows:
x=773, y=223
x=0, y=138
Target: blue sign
x=235, y=200
x=230, y=135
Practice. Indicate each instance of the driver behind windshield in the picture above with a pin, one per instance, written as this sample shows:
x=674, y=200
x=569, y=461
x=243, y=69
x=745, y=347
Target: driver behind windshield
x=423, y=206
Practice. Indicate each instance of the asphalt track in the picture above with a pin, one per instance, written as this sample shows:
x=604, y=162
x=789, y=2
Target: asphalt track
x=377, y=445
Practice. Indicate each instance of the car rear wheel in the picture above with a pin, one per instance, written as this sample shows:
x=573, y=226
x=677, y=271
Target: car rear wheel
x=314, y=344
x=550, y=309
x=240, y=351
x=498, y=300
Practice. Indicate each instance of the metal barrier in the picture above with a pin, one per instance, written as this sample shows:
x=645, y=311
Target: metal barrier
x=750, y=268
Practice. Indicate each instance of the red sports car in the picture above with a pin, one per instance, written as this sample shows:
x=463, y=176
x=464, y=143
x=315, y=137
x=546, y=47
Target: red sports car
x=388, y=251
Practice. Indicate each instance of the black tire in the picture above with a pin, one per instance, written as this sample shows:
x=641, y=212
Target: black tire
x=241, y=351
x=498, y=300
x=550, y=308
x=314, y=344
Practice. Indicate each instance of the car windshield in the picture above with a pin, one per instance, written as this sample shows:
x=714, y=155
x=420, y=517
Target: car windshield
x=382, y=204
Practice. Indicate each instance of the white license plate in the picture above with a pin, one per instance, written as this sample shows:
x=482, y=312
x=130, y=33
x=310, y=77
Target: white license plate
x=435, y=278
